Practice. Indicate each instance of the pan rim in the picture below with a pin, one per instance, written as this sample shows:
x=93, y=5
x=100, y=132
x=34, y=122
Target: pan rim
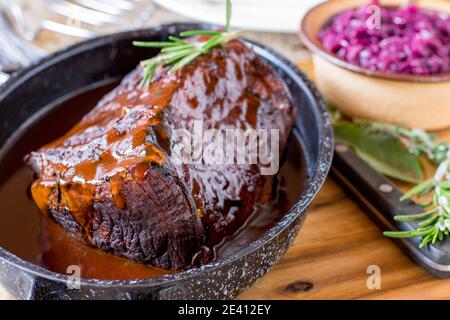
x=313, y=184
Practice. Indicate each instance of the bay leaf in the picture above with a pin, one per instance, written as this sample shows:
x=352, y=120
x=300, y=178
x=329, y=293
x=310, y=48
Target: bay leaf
x=383, y=152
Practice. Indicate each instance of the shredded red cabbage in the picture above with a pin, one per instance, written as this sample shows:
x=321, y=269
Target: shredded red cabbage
x=408, y=40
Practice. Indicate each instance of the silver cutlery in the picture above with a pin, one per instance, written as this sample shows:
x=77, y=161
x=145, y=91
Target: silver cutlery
x=95, y=13
x=14, y=51
x=84, y=19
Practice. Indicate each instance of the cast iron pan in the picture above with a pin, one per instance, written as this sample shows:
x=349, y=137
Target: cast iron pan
x=29, y=92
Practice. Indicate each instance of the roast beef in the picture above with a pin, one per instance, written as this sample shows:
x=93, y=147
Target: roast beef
x=113, y=179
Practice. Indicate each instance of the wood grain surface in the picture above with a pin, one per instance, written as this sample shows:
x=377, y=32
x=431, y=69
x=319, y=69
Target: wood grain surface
x=330, y=256
x=332, y=253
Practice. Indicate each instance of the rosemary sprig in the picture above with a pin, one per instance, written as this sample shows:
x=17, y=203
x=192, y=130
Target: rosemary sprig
x=434, y=224
x=180, y=51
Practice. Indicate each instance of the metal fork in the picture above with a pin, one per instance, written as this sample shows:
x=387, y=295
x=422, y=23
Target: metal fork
x=95, y=15
x=14, y=52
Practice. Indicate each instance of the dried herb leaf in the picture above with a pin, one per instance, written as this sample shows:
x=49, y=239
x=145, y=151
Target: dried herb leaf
x=383, y=152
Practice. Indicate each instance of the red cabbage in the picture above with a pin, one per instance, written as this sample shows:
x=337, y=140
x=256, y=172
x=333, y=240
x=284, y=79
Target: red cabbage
x=409, y=40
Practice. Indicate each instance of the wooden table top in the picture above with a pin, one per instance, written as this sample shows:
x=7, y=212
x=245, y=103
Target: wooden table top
x=330, y=257
x=338, y=242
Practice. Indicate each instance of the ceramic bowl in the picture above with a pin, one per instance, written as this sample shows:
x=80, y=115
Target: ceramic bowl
x=409, y=100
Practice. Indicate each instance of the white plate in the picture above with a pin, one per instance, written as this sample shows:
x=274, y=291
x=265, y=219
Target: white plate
x=257, y=15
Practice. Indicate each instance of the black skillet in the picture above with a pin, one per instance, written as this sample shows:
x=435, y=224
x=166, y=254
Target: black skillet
x=27, y=95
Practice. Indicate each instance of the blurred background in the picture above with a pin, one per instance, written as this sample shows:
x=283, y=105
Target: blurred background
x=30, y=30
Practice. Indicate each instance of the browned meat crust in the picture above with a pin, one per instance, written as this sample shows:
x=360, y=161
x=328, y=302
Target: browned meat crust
x=113, y=179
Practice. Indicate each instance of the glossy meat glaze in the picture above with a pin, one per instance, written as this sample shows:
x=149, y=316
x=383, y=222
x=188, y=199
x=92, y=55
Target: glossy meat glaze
x=114, y=180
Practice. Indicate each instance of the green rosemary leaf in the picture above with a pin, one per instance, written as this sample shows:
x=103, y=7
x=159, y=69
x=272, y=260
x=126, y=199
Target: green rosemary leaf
x=420, y=233
x=184, y=61
x=177, y=48
x=144, y=44
x=172, y=57
x=425, y=204
x=405, y=234
x=415, y=217
x=436, y=233
x=425, y=228
x=212, y=42
x=429, y=222
x=397, y=234
x=417, y=189
x=435, y=199
x=149, y=73
x=425, y=192
x=176, y=39
x=191, y=33
x=426, y=240
x=228, y=17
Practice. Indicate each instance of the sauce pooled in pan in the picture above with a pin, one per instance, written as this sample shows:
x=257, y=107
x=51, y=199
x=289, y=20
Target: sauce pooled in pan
x=38, y=239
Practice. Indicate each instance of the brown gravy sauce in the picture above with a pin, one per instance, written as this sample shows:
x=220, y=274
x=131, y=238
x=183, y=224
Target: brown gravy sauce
x=35, y=238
